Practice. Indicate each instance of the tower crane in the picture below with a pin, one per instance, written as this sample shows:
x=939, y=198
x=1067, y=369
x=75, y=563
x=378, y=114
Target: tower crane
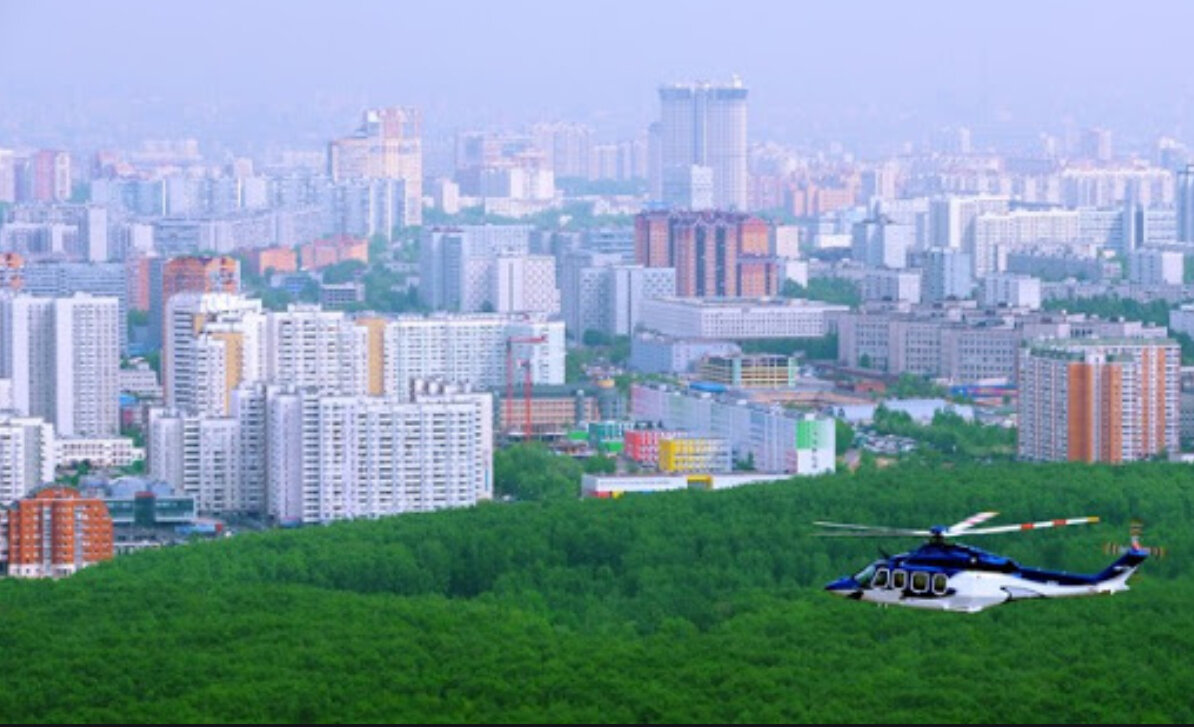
x=508, y=416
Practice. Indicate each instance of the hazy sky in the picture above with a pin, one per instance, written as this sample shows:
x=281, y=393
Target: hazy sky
x=835, y=69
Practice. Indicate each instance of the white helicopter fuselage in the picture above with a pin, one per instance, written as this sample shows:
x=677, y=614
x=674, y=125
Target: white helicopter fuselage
x=974, y=591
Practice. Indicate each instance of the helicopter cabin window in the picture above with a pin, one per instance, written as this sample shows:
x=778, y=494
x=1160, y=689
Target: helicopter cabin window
x=920, y=581
x=865, y=575
x=899, y=579
x=940, y=582
x=882, y=576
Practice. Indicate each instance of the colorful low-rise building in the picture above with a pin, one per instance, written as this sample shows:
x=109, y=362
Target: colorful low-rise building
x=642, y=445
x=685, y=453
x=750, y=371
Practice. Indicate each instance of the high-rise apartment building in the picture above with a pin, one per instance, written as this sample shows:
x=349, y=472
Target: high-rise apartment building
x=62, y=279
x=86, y=366
x=335, y=457
x=387, y=145
x=63, y=358
x=470, y=349
x=457, y=264
x=1184, y=198
x=187, y=273
x=947, y=276
x=1098, y=400
x=51, y=176
x=710, y=251
x=56, y=532
x=200, y=457
x=702, y=142
x=206, y=352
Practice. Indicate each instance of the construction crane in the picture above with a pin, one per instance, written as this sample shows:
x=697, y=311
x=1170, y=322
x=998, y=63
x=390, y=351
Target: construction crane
x=508, y=418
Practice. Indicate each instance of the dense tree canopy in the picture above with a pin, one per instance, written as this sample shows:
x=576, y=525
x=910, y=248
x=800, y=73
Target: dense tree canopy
x=679, y=607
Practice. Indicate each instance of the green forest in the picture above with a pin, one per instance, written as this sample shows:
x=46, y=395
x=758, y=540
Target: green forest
x=680, y=607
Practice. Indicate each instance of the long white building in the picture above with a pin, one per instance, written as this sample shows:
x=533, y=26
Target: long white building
x=777, y=439
x=334, y=458
x=739, y=318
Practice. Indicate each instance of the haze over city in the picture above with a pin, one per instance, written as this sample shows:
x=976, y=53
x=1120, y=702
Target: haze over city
x=868, y=74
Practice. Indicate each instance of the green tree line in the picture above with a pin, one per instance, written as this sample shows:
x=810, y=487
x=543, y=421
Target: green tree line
x=678, y=607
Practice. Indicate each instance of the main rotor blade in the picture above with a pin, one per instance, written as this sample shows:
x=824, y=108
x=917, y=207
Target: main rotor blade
x=875, y=534
x=1033, y=526
x=970, y=522
x=852, y=526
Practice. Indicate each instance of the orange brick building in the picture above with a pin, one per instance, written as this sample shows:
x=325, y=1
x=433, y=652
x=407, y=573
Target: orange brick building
x=136, y=282
x=331, y=250
x=56, y=531
x=277, y=259
x=11, y=267
x=196, y=274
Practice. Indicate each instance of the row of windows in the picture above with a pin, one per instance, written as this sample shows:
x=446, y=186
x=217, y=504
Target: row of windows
x=921, y=581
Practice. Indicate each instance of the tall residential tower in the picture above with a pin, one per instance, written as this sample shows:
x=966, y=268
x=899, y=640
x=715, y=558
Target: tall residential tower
x=702, y=138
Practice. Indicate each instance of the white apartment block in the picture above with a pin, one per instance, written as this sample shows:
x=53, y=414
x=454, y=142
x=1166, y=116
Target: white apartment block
x=952, y=219
x=470, y=349
x=87, y=359
x=1011, y=290
x=306, y=346
x=1103, y=187
x=601, y=294
x=62, y=356
x=1181, y=319
x=525, y=284
x=99, y=452
x=202, y=327
x=1155, y=267
x=200, y=457
x=739, y=318
x=882, y=243
x=995, y=234
x=947, y=275
x=334, y=458
x=456, y=264
x=28, y=354
x=894, y=285
x=27, y=456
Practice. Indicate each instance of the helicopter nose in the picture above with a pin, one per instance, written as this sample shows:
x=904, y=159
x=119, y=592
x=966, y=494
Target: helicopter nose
x=844, y=586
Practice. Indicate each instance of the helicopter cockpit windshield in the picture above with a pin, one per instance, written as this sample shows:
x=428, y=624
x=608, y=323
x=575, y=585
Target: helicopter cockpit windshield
x=864, y=576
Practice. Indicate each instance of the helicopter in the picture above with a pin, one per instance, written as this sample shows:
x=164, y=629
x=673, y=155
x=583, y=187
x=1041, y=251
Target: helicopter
x=946, y=576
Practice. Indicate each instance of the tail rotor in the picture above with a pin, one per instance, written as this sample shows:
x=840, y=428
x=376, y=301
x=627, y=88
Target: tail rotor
x=1135, y=532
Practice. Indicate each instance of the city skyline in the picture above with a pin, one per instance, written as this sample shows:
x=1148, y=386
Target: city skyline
x=302, y=72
